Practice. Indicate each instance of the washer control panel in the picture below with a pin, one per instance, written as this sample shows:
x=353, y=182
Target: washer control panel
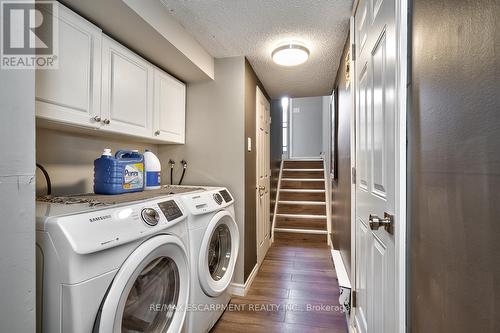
x=99, y=229
x=227, y=197
x=170, y=209
x=206, y=202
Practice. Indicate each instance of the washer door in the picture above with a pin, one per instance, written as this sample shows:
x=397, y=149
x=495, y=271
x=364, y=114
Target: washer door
x=219, y=250
x=150, y=291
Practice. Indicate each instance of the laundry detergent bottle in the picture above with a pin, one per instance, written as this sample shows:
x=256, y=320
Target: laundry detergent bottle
x=119, y=174
x=152, y=170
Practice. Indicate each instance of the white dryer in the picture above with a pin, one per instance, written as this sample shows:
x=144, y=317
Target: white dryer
x=121, y=268
x=214, y=242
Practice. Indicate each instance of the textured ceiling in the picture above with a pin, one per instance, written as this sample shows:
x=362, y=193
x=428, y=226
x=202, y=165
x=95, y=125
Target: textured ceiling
x=253, y=28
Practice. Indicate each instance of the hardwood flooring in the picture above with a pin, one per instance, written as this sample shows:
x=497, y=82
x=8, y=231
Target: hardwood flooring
x=295, y=290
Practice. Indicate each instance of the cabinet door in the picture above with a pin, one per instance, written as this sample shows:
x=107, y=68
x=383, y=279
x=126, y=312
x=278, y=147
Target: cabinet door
x=169, y=108
x=127, y=91
x=71, y=94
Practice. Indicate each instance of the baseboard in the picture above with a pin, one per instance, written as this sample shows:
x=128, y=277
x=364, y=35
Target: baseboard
x=342, y=275
x=239, y=289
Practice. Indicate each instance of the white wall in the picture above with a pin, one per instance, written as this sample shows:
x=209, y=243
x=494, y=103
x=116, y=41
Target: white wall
x=306, y=118
x=326, y=136
x=17, y=201
x=215, y=139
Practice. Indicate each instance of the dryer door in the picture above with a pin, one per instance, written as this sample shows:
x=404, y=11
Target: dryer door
x=150, y=291
x=219, y=250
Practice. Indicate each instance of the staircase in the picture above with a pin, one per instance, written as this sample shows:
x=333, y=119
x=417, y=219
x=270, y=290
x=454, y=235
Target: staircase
x=301, y=208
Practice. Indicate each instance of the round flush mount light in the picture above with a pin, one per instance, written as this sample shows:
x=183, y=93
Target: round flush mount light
x=291, y=54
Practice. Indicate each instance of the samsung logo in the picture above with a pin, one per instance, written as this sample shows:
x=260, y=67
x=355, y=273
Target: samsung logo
x=99, y=218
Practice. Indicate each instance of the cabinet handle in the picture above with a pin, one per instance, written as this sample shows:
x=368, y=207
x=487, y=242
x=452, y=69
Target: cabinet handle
x=96, y=118
x=106, y=121
x=157, y=132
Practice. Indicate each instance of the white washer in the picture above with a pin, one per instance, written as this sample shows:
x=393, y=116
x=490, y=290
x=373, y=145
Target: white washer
x=121, y=268
x=214, y=242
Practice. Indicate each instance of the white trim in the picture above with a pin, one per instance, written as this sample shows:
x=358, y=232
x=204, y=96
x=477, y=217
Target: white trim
x=240, y=289
x=312, y=203
x=401, y=167
x=299, y=190
x=328, y=199
x=302, y=231
x=303, y=216
x=304, y=179
x=304, y=159
x=342, y=276
x=303, y=170
x=276, y=201
x=353, y=88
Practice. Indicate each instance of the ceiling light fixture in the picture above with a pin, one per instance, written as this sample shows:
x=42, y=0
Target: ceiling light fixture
x=291, y=54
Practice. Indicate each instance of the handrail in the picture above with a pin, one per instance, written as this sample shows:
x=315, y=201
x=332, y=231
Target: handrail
x=277, y=201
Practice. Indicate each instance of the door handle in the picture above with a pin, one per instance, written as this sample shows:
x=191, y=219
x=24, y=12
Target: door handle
x=387, y=222
x=262, y=188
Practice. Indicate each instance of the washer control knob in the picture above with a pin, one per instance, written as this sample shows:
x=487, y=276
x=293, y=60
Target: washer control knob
x=150, y=216
x=218, y=198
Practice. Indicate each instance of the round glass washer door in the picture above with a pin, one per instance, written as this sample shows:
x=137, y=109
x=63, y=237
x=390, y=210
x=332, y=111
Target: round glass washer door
x=219, y=250
x=150, y=291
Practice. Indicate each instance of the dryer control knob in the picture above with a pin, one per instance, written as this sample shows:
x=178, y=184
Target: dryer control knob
x=218, y=198
x=150, y=216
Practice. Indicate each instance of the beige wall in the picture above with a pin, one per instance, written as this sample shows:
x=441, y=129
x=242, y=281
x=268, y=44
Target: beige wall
x=214, y=149
x=341, y=187
x=69, y=158
x=215, y=139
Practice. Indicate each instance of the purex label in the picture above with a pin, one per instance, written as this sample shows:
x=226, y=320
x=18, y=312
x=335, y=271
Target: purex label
x=133, y=176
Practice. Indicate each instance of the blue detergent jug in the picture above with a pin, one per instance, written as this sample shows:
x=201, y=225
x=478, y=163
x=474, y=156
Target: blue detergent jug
x=122, y=173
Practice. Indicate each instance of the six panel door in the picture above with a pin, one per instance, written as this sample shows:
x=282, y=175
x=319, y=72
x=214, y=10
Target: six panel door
x=375, y=74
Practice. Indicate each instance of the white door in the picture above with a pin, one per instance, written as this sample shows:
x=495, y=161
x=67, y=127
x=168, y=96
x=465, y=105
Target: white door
x=127, y=90
x=72, y=93
x=375, y=39
x=169, y=108
x=263, y=172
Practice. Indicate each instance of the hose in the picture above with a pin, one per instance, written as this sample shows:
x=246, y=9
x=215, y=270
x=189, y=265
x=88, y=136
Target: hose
x=47, y=178
x=184, y=165
x=171, y=163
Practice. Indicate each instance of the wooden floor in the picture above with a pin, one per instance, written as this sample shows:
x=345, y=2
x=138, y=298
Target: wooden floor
x=295, y=290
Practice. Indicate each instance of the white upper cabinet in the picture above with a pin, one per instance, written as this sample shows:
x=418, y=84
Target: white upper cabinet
x=71, y=94
x=127, y=91
x=169, y=118
x=101, y=84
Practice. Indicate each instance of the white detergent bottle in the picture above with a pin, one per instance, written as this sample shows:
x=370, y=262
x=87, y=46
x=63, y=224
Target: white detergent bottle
x=152, y=171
